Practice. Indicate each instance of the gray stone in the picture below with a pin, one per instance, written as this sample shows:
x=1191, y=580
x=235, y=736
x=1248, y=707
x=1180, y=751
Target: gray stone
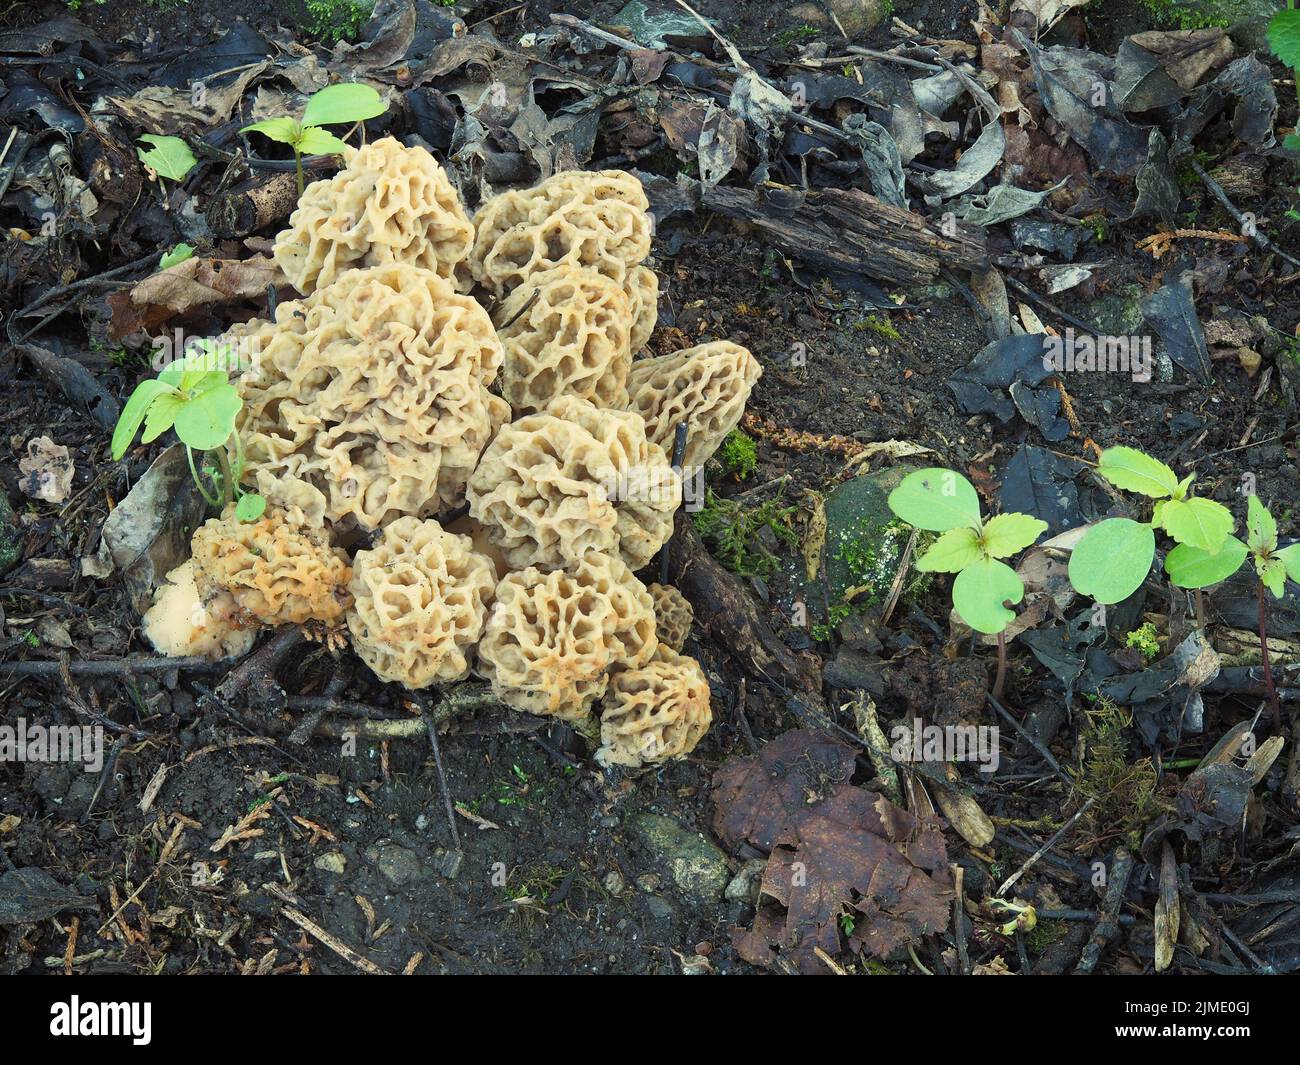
x=745, y=884
x=614, y=883
x=332, y=862
x=864, y=540
x=1119, y=313
x=697, y=867
x=858, y=16
x=397, y=864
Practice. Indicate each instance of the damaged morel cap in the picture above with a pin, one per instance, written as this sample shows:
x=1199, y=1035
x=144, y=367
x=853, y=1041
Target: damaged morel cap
x=706, y=386
x=566, y=332
x=655, y=713
x=553, y=638
x=278, y=571
x=389, y=204
x=673, y=615
x=421, y=597
x=369, y=398
x=181, y=622
x=572, y=479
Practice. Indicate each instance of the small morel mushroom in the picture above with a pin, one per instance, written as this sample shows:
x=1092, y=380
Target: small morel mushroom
x=369, y=398
x=575, y=478
x=277, y=570
x=421, y=599
x=655, y=713
x=673, y=615
x=706, y=385
x=565, y=332
x=389, y=204
x=181, y=622
x=554, y=637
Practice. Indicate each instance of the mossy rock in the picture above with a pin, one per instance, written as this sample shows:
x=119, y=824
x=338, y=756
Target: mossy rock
x=864, y=545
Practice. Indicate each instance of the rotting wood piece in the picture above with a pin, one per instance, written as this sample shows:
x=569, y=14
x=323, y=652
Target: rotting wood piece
x=722, y=607
x=261, y=204
x=850, y=230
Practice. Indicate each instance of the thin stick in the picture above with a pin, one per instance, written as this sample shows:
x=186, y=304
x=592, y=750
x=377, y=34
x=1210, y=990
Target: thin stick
x=432, y=729
x=1006, y=884
x=110, y=667
x=336, y=945
x=1256, y=236
x=679, y=453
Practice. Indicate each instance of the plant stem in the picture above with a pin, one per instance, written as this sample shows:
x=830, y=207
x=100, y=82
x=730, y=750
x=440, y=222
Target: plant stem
x=1263, y=657
x=297, y=158
x=1000, y=680
x=212, y=501
x=227, y=482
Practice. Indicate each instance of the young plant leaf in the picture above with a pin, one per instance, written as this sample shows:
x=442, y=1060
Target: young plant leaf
x=162, y=415
x=176, y=256
x=1261, y=529
x=1272, y=573
x=979, y=592
x=1008, y=533
x=128, y=423
x=1197, y=522
x=170, y=157
x=1284, y=36
x=1113, y=559
x=1190, y=567
x=936, y=500
x=285, y=130
x=348, y=102
x=951, y=553
x=317, y=141
x=250, y=507
x=1290, y=558
x=1136, y=471
x=206, y=421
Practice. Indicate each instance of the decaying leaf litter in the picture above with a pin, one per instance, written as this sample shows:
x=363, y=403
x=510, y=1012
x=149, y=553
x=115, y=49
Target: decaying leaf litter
x=904, y=228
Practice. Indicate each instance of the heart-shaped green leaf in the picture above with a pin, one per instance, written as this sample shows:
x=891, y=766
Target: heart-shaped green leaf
x=170, y=157
x=1112, y=560
x=1290, y=557
x=951, y=553
x=936, y=500
x=1008, y=533
x=1136, y=471
x=1261, y=529
x=285, y=130
x=317, y=141
x=206, y=421
x=128, y=423
x=250, y=507
x=979, y=592
x=1190, y=567
x=1284, y=36
x=1197, y=522
x=348, y=102
x=1272, y=574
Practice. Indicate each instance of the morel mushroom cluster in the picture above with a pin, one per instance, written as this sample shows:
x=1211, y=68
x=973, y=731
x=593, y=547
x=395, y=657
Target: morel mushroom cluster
x=437, y=363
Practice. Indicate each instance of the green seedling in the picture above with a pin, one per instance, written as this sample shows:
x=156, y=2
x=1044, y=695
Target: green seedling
x=943, y=501
x=1284, y=41
x=334, y=105
x=176, y=256
x=1190, y=567
x=170, y=157
x=1115, y=555
x=194, y=397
